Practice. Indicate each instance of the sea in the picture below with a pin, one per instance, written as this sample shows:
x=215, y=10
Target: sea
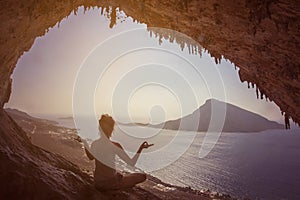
x=261, y=165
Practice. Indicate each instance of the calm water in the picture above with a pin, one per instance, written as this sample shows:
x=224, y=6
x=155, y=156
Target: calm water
x=262, y=165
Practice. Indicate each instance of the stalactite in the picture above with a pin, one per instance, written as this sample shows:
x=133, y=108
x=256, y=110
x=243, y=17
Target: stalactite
x=75, y=11
x=182, y=46
x=160, y=40
x=113, y=17
x=172, y=38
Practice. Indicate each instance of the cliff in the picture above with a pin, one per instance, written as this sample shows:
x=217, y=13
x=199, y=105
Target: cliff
x=30, y=172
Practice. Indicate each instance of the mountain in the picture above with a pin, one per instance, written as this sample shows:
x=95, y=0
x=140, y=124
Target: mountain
x=237, y=119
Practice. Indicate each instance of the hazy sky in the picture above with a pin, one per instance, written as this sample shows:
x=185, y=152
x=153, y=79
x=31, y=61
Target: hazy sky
x=162, y=80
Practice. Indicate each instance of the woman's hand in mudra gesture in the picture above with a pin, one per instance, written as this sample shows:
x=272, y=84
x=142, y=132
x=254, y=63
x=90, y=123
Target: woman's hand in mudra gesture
x=144, y=145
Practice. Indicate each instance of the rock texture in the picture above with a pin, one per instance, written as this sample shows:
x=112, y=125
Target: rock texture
x=260, y=37
x=27, y=171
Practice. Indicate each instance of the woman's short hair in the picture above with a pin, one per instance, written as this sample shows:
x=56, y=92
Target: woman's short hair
x=106, y=123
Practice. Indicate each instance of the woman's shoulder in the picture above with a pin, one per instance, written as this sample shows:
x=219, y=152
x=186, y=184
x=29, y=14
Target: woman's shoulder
x=96, y=143
x=117, y=144
x=104, y=144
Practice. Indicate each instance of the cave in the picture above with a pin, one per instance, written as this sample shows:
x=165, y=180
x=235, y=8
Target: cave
x=259, y=37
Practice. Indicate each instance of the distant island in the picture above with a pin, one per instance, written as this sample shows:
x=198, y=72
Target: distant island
x=134, y=124
x=237, y=120
x=66, y=118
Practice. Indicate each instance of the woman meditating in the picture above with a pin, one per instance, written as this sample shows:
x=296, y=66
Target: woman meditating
x=103, y=151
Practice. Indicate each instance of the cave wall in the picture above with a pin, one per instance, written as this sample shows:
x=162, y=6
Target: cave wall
x=260, y=37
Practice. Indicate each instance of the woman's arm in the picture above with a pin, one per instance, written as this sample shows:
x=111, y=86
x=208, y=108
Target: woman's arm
x=124, y=156
x=89, y=155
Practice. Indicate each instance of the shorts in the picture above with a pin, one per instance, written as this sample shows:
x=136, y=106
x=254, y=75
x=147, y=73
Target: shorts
x=113, y=183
